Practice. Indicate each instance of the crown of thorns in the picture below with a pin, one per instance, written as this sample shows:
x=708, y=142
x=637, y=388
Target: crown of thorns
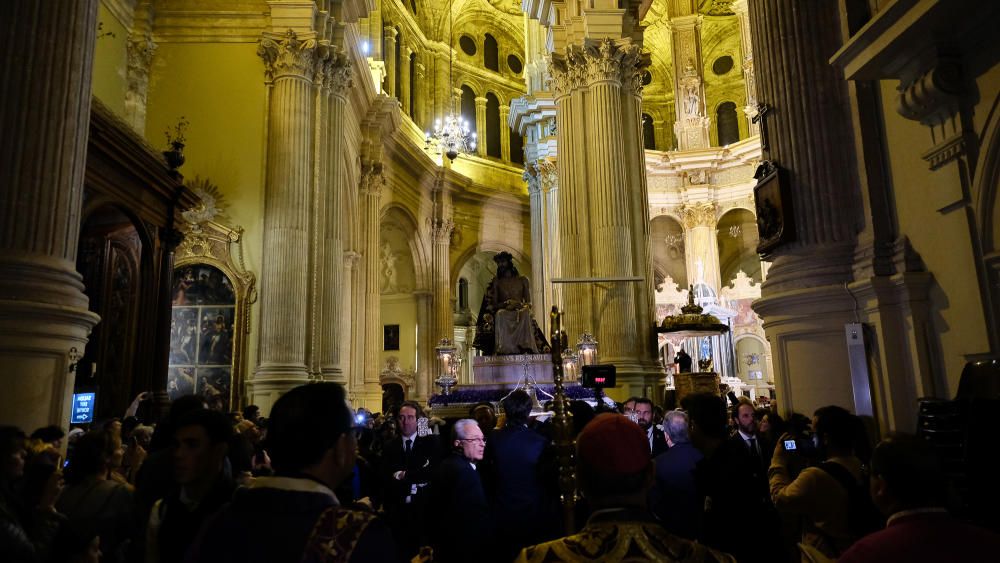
x=503, y=256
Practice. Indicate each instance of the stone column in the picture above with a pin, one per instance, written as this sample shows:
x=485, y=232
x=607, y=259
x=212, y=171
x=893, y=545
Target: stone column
x=749, y=80
x=47, y=55
x=804, y=303
x=504, y=133
x=551, y=257
x=420, y=109
x=442, y=88
x=601, y=170
x=426, y=359
x=441, y=227
x=481, y=126
x=284, y=287
x=338, y=80
x=389, y=56
x=404, y=79
x=692, y=126
x=537, y=209
x=701, y=245
x=346, y=322
x=372, y=183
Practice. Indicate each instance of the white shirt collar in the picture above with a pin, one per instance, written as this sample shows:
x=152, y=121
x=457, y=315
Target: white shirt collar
x=411, y=437
x=746, y=436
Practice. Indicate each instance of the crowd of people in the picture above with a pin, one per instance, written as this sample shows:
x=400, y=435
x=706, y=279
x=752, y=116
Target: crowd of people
x=319, y=482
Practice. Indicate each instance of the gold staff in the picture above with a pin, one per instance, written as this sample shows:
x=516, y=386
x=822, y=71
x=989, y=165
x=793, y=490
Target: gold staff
x=565, y=442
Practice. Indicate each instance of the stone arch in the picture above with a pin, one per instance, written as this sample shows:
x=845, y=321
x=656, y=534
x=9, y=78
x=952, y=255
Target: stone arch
x=667, y=236
x=418, y=250
x=737, y=238
x=521, y=260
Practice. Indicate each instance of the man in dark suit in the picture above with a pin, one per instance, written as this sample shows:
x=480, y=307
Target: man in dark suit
x=674, y=499
x=463, y=530
x=407, y=465
x=644, y=418
x=525, y=511
x=757, y=448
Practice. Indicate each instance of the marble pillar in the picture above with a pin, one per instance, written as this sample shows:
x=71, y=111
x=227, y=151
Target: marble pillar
x=47, y=55
x=442, y=88
x=337, y=82
x=481, y=125
x=551, y=253
x=441, y=226
x=389, y=56
x=404, y=79
x=504, y=133
x=804, y=301
x=347, y=328
x=701, y=244
x=537, y=212
x=372, y=184
x=419, y=114
x=426, y=359
x=601, y=170
x=284, y=289
x=741, y=8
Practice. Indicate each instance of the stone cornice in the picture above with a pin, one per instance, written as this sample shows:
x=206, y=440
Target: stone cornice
x=122, y=10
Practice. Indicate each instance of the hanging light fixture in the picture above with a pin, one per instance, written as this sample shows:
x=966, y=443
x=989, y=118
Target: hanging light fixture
x=451, y=134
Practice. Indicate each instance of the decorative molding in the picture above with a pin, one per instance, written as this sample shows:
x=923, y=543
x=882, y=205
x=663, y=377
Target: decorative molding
x=945, y=152
x=699, y=215
x=287, y=55
x=139, y=49
x=932, y=97
x=209, y=26
x=122, y=10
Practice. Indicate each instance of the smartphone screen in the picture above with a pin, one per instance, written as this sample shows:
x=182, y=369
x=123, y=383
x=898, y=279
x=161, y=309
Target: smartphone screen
x=789, y=445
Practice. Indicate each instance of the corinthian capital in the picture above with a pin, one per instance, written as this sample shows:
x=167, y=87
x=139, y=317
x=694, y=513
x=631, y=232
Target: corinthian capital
x=441, y=229
x=609, y=62
x=339, y=74
x=372, y=179
x=703, y=215
x=287, y=55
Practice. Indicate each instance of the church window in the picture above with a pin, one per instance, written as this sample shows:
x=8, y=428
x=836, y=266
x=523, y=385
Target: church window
x=492, y=125
x=514, y=64
x=728, y=126
x=467, y=44
x=722, y=65
x=648, y=133
x=491, y=53
x=469, y=107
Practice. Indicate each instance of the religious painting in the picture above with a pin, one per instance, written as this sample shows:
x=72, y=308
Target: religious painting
x=201, y=334
x=775, y=223
x=390, y=337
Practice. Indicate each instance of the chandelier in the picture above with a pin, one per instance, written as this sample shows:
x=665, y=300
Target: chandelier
x=451, y=135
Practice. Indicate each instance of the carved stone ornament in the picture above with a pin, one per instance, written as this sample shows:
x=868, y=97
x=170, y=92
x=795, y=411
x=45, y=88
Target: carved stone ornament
x=372, y=179
x=339, y=75
x=392, y=373
x=287, y=55
x=698, y=215
x=211, y=208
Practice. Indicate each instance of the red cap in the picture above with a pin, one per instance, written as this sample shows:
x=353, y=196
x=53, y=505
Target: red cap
x=613, y=445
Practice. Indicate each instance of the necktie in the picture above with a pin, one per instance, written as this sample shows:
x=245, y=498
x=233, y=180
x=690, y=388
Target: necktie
x=754, y=454
x=408, y=445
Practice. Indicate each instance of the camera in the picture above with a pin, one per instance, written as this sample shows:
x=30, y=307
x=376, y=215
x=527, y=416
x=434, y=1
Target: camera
x=598, y=376
x=360, y=418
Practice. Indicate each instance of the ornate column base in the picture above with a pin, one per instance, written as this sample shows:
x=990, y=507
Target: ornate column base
x=39, y=344
x=809, y=346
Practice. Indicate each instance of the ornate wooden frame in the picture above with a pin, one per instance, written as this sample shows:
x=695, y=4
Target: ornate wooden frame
x=219, y=245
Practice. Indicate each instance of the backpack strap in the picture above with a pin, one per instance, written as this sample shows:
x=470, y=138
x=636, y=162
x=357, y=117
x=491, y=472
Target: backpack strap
x=336, y=534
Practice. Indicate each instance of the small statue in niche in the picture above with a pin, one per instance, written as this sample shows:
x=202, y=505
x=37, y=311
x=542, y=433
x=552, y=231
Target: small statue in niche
x=505, y=325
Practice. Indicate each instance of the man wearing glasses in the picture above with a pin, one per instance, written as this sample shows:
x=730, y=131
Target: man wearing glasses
x=457, y=497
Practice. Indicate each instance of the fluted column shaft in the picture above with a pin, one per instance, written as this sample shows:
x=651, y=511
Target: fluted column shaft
x=481, y=125
x=389, y=56
x=442, y=89
x=47, y=56
x=701, y=245
x=284, y=284
x=443, y=320
x=372, y=183
x=419, y=114
x=346, y=341
x=749, y=79
x=550, y=231
x=537, y=209
x=426, y=359
x=505, y=135
x=809, y=133
x=338, y=82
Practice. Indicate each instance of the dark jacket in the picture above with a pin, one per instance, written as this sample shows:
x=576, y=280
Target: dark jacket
x=926, y=537
x=419, y=466
x=525, y=510
x=271, y=522
x=659, y=442
x=463, y=526
x=674, y=499
x=179, y=525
